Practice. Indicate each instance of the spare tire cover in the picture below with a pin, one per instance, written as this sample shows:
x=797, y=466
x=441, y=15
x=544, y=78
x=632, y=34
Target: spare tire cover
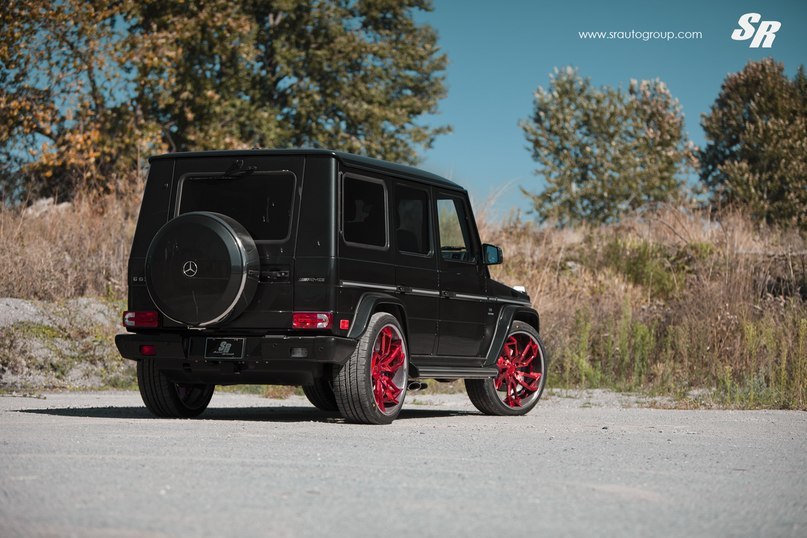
x=202, y=268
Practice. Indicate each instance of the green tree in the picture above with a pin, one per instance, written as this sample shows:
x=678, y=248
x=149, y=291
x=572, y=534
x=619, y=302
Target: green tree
x=88, y=88
x=349, y=75
x=756, y=151
x=604, y=151
x=64, y=117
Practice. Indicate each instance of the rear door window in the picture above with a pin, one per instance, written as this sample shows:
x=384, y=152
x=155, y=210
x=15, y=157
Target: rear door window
x=364, y=212
x=412, y=231
x=261, y=202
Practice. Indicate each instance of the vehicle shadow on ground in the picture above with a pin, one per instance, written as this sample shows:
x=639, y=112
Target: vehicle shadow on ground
x=258, y=414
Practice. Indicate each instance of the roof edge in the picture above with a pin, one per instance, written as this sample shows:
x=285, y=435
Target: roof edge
x=350, y=159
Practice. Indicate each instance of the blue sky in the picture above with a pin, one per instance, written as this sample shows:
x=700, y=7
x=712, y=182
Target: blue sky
x=500, y=52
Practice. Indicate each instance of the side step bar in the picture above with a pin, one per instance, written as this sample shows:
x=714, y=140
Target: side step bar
x=462, y=372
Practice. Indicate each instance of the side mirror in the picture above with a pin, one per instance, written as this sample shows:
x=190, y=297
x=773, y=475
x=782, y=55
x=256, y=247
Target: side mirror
x=492, y=254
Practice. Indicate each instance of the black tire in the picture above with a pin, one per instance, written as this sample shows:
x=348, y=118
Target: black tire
x=517, y=399
x=321, y=395
x=355, y=382
x=202, y=269
x=167, y=399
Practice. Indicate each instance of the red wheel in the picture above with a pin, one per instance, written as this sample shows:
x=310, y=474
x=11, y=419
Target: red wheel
x=387, y=367
x=518, y=380
x=522, y=374
x=371, y=387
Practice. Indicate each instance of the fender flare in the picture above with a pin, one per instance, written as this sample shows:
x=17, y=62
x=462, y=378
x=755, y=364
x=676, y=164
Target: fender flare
x=368, y=304
x=507, y=315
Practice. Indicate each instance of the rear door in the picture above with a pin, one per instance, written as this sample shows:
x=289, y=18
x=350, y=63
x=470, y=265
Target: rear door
x=416, y=274
x=365, y=261
x=464, y=305
x=264, y=201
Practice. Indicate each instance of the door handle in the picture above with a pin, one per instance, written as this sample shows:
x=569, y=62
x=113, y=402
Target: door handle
x=448, y=294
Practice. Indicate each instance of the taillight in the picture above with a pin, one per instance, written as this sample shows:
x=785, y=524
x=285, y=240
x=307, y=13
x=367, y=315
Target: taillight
x=148, y=350
x=145, y=319
x=311, y=320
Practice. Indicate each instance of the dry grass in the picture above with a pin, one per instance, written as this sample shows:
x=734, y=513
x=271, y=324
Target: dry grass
x=670, y=302
x=69, y=250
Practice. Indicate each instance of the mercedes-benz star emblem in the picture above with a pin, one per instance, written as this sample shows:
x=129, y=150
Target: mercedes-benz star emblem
x=189, y=269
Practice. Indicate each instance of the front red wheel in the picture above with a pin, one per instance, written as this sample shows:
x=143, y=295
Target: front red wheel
x=520, y=370
x=522, y=374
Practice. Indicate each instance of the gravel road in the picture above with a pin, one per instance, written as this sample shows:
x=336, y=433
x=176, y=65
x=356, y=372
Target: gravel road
x=581, y=464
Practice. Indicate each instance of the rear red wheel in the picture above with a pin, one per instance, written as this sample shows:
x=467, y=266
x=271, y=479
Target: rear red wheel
x=371, y=387
x=520, y=381
x=387, y=367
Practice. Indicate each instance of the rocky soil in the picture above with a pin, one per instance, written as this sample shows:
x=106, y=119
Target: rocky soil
x=64, y=345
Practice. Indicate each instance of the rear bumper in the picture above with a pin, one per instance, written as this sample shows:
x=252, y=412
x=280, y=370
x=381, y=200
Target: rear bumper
x=303, y=349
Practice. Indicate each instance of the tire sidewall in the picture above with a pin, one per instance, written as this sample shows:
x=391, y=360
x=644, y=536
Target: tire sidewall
x=320, y=394
x=161, y=396
x=201, y=397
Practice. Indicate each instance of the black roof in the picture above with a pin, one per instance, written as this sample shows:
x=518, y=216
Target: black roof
x=357, y=161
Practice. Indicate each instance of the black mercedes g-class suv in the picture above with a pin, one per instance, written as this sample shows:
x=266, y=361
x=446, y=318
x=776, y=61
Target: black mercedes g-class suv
x=346, y=275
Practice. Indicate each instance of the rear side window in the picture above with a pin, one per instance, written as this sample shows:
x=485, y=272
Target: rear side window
x=364, y=212
x=412, y=220
x=262, y=203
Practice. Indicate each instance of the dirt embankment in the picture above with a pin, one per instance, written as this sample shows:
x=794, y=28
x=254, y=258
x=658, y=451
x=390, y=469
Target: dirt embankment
x=62, y=345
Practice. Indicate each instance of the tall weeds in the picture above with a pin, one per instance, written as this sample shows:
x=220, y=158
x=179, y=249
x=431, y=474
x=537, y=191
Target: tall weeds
x=669, y=303
x=59, y=251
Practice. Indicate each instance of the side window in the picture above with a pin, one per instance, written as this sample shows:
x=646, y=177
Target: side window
x=364, y=212
x=455, y=239
x=412, y=220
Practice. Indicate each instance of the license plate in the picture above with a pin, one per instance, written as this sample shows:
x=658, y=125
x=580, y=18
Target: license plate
x=224, y=348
